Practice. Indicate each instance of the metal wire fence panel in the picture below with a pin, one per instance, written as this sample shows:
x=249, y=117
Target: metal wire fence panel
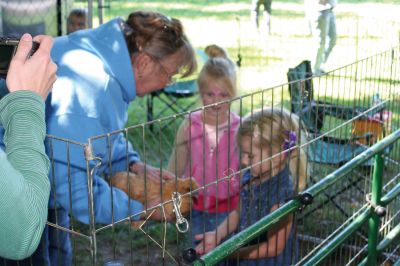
x=233, y=172
x=68, y=192
x=351, y=86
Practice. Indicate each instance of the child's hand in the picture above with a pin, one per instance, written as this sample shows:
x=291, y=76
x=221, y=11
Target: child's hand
x=151, y=172
x=209, y=241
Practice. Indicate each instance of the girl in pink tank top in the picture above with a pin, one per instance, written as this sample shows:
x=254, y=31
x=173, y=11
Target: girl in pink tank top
x=206, y=150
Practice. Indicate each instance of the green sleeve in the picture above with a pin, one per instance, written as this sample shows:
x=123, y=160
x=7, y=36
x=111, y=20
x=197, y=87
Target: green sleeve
x=24, y=166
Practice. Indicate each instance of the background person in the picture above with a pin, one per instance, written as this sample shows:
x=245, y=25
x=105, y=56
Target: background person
x=322, y=23
x=256, y=11
x=77, y=20
x=24, y=185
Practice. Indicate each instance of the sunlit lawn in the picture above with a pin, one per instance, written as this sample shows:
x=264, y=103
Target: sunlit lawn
x=265, y=59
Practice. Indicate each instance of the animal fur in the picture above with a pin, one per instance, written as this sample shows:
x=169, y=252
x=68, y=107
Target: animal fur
x=123, y=180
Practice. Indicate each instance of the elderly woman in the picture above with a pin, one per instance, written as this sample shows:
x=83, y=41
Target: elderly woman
x=100, y=71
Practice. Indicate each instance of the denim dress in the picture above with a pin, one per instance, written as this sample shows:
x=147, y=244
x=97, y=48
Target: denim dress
x=256, y=202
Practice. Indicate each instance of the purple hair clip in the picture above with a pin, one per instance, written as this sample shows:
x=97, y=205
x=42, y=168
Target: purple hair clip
x=291, y=140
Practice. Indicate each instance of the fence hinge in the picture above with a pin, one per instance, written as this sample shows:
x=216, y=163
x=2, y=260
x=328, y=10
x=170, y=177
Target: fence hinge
x=88, y=153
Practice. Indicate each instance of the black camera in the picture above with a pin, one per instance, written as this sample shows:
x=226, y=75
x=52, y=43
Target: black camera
x=8, y=47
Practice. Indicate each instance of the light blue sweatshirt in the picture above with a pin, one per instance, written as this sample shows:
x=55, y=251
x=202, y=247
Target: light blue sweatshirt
x=90, y=97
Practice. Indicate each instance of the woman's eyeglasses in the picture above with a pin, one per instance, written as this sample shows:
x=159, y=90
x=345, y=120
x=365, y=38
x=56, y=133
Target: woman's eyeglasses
x=171, y=78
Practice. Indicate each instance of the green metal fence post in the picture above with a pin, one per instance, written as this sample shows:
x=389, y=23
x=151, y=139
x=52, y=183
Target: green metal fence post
x=373, y=223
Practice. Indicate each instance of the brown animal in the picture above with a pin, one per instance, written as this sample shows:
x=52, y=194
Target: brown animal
x=153, y=191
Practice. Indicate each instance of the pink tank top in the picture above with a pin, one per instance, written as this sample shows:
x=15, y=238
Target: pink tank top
x=209, y=165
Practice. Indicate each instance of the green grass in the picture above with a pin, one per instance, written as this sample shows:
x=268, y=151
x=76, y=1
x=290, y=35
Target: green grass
x=130, y=245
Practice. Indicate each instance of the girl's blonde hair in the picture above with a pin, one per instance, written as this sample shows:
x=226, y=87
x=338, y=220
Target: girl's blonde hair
x=274, y=126
x=214, y=50
x=218, y=68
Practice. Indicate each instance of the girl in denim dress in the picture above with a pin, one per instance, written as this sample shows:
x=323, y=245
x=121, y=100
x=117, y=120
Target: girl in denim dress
x=275, y=167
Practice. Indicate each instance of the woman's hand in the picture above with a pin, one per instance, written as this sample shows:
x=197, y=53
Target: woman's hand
x=151, y=172
x=209, y=241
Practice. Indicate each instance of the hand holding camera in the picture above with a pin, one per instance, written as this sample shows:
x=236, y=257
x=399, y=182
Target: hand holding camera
x=30, y=69
x=8, y=48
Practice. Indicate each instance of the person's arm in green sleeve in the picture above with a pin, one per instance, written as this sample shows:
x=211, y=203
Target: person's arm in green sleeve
x=24, y=166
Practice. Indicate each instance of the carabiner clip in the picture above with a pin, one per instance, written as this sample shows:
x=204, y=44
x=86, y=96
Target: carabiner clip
x=180, y=220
